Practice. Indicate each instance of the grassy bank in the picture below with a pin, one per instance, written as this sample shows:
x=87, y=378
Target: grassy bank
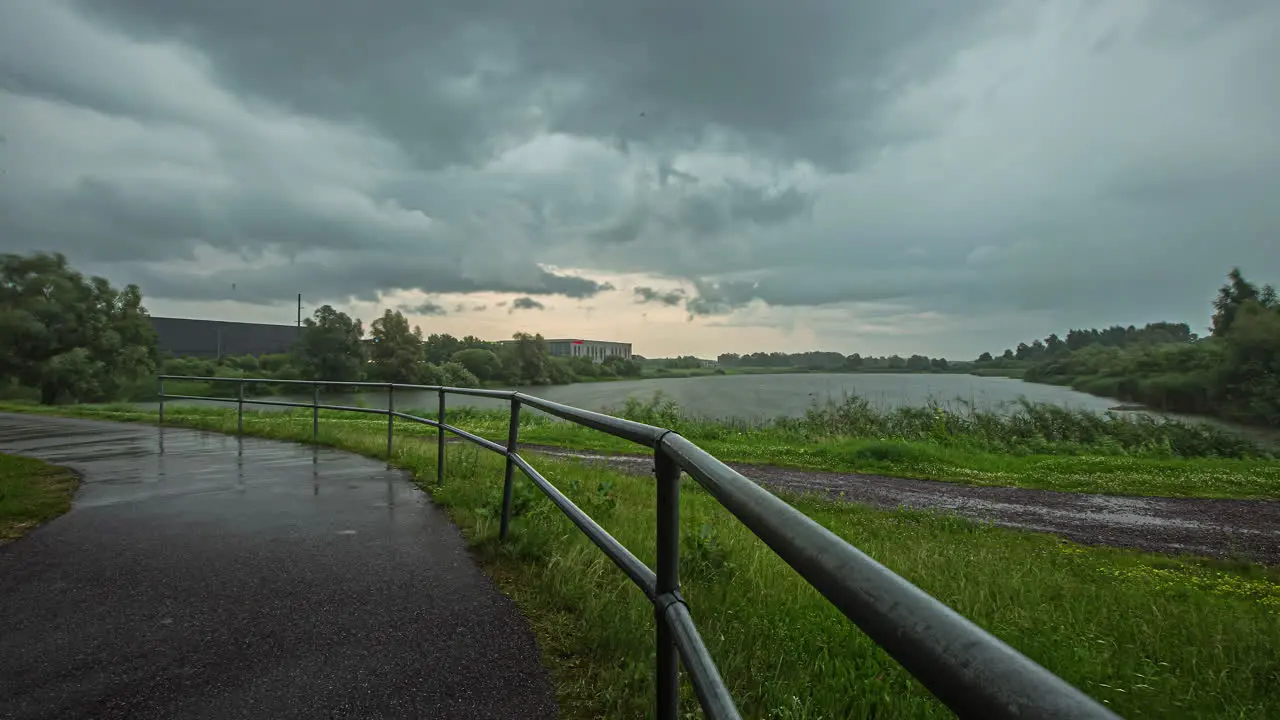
x=1150, y=636
x=31, y=492
x=1037, y=446
x=1017, y=373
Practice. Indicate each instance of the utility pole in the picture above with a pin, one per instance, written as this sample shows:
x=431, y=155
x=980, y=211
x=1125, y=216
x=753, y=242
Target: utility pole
x=299, y=312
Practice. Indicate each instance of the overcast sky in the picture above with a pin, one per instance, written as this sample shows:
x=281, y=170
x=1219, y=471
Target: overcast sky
x=692, y=177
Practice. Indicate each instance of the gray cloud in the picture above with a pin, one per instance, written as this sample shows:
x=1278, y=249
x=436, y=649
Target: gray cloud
x=526, y=303
x=704, y=212
x=361, y=279
x=996, y=164
x=738, y=71
x=649, y=295
x=423, y=308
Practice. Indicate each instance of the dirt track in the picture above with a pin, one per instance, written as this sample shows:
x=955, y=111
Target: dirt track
x=1217, y=528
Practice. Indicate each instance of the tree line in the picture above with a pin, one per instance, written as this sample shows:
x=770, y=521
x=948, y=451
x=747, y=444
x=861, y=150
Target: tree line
x=1116, y=336
x=71, y=338
x=333, y=346
x=826, y=361
x=1234, y=373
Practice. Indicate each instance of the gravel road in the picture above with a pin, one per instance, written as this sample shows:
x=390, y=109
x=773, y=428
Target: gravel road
x=1248, y=529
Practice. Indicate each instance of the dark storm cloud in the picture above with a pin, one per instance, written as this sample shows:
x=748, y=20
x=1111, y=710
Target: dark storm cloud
x=720, y=298
x=451, y=80
x=526, y=303
x=364, y=279
x=649, y=295
x=423, y=308
x=132, y=149
x=736, y=205
x=707, y=211
x=991, y=159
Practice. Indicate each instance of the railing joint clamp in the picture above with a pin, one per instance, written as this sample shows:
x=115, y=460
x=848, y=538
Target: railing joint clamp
x=664, y=601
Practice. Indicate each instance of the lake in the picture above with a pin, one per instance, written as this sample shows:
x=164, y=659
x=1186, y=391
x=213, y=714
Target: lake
x=757, y=397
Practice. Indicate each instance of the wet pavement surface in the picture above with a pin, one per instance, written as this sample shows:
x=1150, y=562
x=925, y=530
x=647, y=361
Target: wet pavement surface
x=204, y=576
x=1231, y=529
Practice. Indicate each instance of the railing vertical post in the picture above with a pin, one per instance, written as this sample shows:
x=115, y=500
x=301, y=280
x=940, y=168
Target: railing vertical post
x=315, y=412
x=240, y=408
x=668, y=577
x=391, y=416
x=160, y=394
x=508, y=482
x=440, y=443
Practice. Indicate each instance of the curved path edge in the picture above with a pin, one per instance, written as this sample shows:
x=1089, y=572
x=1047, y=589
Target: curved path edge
x=200, y=575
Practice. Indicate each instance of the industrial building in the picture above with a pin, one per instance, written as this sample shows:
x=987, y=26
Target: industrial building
x=187, y=337
x=597, y=350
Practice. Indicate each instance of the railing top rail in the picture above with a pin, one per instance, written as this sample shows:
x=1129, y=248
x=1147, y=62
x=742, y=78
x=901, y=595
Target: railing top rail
x=631, y=430
x=272, y=381
x=970, y=670
x=473, y=392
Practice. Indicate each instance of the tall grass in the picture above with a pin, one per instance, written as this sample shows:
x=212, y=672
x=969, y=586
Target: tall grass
x=1028, y=445
x=1028, y=427
x=1150, y=636
x=1025, y=428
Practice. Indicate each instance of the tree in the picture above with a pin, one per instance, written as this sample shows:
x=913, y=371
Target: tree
x=1267, y=298
x=984, y=357
x=395, y=351
x=330, y=346
x=1231, y=296
x=482, y=363
x=527, y=360
x=73, y=338
x=455, y=374
x=1250, y=374
x=620, y=366
x=439, y=347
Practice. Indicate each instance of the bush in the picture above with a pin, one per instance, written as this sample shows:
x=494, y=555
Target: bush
x=457, y=375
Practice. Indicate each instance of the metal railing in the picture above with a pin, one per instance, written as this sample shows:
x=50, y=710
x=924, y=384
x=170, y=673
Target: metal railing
x=971, y=671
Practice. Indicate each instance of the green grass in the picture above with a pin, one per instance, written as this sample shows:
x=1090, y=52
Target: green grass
x=1151, y=636
x=31, y=492
x=1103, y=467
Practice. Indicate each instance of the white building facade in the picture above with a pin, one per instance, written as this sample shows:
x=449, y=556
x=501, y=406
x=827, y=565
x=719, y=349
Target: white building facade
x=597, y=350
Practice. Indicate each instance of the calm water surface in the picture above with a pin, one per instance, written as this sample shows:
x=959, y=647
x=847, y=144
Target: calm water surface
x=753, y=397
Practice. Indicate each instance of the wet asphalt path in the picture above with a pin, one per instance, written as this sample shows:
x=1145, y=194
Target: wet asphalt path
x=205, y=576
